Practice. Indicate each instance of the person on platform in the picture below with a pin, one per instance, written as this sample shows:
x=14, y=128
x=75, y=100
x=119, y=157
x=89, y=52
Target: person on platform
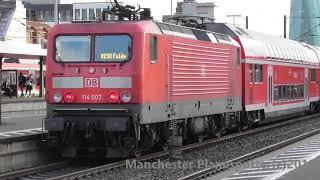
x=29, y=85
x=22, y=82
x=6, y=88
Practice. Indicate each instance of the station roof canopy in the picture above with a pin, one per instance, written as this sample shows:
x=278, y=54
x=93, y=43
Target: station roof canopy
x=20, y=50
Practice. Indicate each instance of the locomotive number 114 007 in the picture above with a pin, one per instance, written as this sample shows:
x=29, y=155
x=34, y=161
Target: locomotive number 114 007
x=91, y=97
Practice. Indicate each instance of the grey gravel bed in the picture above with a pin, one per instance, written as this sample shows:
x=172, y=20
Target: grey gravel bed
x=202, y=158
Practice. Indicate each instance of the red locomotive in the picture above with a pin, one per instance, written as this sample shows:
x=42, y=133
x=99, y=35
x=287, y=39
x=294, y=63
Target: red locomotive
x=124, y=86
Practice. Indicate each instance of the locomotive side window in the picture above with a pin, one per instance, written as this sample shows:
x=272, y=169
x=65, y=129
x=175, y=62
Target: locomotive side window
x=219, y=37
x=175, y=29
x=163, y=26
x=153, y=49
x=186, y=31
x=313, y=75
x=73, y=48
x=112, y=48
x=201, y=35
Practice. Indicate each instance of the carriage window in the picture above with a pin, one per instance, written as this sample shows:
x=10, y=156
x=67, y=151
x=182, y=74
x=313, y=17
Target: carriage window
x=280, y=92
x=258, y=73
x=295, y=92
x=300, y=91
x=276, y=93
x=84, y=14
x=73, y=48
x=313, y=75
x=112, y=48
x=284, y=92
x=91, y=14
x=251, y=73
x=289, y=94
x=153, y=49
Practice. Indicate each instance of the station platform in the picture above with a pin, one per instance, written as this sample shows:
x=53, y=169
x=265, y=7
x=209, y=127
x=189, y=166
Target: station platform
x=21, y=116
x=294, y=162
x=6, y=100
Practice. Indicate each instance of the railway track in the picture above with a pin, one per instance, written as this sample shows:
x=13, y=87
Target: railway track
x=245, y=158
x=87, y=173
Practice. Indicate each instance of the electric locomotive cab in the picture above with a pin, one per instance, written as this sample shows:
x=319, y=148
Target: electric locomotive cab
x=93, y=87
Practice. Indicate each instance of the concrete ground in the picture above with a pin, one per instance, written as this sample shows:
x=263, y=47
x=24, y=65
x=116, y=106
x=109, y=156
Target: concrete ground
x=6, y=100
x=23, y=122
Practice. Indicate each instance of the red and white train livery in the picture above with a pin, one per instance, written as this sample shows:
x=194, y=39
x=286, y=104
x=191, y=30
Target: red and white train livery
x=124, y=86
x=279, y=76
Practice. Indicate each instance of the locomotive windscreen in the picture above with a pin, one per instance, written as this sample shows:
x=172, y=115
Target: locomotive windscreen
x=107, y=48
x=73, y=48
x=112, y=48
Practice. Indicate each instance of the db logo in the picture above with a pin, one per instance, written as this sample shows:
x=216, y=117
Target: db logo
x=91, y=82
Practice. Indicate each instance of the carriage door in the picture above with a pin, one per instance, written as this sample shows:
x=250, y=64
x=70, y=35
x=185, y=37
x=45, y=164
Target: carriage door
x=270, y=86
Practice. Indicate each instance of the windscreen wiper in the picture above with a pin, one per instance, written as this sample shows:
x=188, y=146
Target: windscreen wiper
x=59, y=58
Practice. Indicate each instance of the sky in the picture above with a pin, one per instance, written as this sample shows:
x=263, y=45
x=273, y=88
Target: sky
x=265, y=16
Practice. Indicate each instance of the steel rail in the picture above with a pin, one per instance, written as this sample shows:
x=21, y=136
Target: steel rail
x=34, y=170
x=242, y=159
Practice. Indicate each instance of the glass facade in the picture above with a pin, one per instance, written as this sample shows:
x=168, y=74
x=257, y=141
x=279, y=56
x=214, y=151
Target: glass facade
x=305, y=21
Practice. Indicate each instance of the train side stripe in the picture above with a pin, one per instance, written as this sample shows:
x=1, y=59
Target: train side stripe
x=115, y=82
x=67, y=82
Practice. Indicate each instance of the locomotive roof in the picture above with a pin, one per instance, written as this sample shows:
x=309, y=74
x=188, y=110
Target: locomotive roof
x=193, y=33
x=148, y=26
x=260, y=46
x=100, y=27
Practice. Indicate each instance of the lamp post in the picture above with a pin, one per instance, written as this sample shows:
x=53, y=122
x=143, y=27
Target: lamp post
x=284, y=26
x=171, y=8
x=247, y=22
x=56, y=11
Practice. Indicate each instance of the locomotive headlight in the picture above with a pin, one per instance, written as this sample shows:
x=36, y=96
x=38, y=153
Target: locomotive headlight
x=125, y=97
x=57, y=97
x=69, y=97
x=113, y=97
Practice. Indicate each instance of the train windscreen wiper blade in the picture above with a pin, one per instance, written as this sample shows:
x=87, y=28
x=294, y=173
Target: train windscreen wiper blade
x=59, y=58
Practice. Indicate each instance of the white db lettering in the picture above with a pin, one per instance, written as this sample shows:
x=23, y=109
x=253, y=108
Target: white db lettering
x=91, y=82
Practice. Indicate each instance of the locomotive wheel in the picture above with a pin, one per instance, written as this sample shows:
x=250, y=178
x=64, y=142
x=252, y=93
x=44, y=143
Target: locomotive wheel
x=312, y=108
x=165, y=146
x=137, y=153
x=217, y=134
x=216, y=131
x=200, y=139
